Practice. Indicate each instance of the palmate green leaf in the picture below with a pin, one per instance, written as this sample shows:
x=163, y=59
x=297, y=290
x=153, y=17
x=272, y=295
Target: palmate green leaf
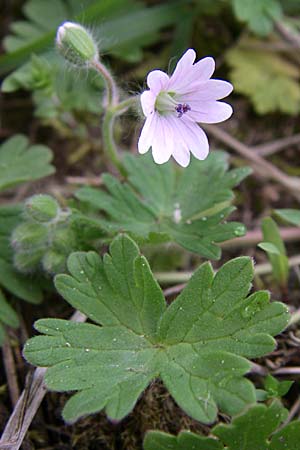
x=53, y=87
x=254, y=430
x=260, y=15
x=21, y=162
x=198, y=346
x=159, y=204
x=37, y=74
x=270, y=81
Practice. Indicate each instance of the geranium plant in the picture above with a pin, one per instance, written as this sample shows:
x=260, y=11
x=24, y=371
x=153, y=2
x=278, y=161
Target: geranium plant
x=106, y=249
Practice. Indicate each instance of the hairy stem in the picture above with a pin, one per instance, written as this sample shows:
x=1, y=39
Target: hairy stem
x=108, y=131
x=114, y=108
x=111, y=87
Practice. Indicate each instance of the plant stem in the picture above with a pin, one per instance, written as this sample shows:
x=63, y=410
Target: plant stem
x=295, y=318
x=183, y=277
x=122, y=106
x=108, y=131
x=111, y=87
x=113, y=109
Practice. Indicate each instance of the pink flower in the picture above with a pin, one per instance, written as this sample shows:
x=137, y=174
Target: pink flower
x=174, y=105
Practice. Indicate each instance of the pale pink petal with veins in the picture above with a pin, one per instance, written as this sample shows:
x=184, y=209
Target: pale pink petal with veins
x=173, y=107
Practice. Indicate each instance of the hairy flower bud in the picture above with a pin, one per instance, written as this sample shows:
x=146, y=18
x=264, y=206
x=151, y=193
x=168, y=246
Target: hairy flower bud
x=28, y=261
x=42, y=208
x=64, y=240
x=54, y=262
x=76, y=44
x=29, y=236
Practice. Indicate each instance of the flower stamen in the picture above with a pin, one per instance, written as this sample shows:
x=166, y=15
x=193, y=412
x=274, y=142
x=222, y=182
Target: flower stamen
x=182, y=108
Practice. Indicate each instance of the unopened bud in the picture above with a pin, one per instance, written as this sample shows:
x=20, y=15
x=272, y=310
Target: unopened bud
x=28, y=261
x=41, y=208
x=64, y=240
x=54, y=262
x=29, y=236
x=76, y=44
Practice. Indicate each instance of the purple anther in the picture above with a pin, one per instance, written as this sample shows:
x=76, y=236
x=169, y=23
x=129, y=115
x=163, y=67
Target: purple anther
x=182, y=108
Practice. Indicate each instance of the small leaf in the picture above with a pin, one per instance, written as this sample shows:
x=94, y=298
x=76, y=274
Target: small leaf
x=20, y=162
x=254, y=430
x=276, y=388
x=37, y=74
x=259, y=14
x=198, y=345
x=269, y=80
x=157, y=201
x=275, y=249
x=269, y=248
x=289, y=215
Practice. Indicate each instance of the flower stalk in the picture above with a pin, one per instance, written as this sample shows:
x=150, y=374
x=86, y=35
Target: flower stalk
x=108, y=131
x=111, y=87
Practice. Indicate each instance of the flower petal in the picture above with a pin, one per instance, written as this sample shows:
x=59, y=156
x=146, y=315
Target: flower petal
x=147, y=101
x=157, y=81
x=146, y=136
x=209, y=90
x=181, y=155
x=182, y=69
x=209, y=112
x=192, y=75
x=204, y=68
x=196, y=139
x=191, y=136
x=163, y=141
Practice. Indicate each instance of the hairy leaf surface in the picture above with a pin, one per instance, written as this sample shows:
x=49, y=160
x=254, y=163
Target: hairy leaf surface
x=198, y=345
x=159, y=204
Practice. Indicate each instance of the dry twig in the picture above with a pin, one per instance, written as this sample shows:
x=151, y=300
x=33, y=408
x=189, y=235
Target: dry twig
x=253, y=237
x=275, y=146
x=10, y=370
x=263, y=167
